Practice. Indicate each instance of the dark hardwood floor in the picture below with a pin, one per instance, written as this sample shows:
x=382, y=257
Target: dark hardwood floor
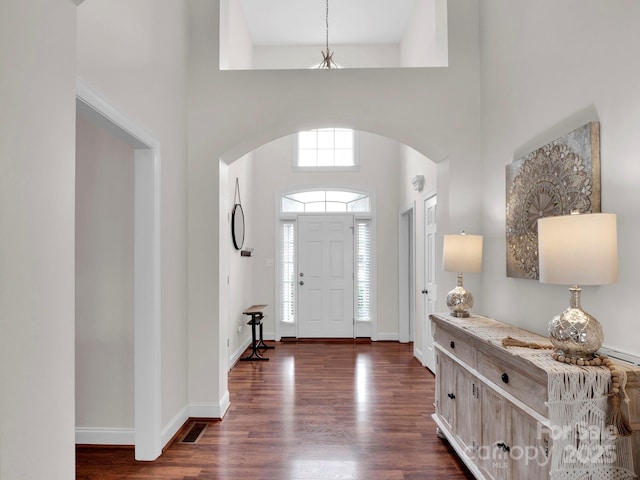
x=314, y=411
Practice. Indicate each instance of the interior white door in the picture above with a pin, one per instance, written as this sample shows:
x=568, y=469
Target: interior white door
x=325, y=276
x=430, y=291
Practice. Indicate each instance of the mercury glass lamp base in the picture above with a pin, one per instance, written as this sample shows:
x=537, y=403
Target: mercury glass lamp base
x=459, y=302
x=574, y=333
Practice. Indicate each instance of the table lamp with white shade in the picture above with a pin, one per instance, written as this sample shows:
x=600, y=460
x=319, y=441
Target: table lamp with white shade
x=577, y=249
x=461, y=254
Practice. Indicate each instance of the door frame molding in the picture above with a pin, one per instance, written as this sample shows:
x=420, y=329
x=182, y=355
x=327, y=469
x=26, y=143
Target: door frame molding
x=282, y=329
x=407, y=273
x=147, y=266
x=427, y=331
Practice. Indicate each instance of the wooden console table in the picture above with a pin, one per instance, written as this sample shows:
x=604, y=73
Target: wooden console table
x=257, y=344
x=497, y=408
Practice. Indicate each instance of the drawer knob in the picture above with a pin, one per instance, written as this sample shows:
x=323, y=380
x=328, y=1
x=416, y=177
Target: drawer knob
x=505, y=378
x=452, y=344
x=503, y=446
x=451, y=396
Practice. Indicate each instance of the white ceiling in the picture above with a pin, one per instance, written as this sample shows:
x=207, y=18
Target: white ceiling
x=302, y=22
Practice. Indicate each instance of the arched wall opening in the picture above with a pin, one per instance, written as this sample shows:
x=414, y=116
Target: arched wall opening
x=266, y=133
x=265, y=172
x=435, y=111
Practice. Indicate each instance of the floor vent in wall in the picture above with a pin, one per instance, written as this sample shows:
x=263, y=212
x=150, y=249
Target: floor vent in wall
x=194, y=433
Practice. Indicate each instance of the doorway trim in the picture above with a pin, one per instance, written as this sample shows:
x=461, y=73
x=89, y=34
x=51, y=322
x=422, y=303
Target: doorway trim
x=430, y=293
x=407, y=273
x=362, y=329
x=147, y=305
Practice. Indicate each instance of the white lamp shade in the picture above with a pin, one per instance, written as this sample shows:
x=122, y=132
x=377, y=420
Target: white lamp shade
x=462, y=253
x=578, y=249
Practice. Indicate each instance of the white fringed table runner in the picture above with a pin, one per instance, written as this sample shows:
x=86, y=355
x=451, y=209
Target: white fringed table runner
x=584, y=446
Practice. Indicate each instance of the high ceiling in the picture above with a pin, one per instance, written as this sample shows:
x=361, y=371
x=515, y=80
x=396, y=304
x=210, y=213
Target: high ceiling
x=351, y=22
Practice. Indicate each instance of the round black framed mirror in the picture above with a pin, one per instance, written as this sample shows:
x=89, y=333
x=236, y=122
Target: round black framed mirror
x=237, y=226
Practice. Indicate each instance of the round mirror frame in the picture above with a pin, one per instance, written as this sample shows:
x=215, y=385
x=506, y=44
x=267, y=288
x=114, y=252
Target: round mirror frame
x=237, y=226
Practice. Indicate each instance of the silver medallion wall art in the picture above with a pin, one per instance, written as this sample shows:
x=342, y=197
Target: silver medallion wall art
x=556, y=179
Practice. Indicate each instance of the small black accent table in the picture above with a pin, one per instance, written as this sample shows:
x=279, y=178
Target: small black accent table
x=256, y=313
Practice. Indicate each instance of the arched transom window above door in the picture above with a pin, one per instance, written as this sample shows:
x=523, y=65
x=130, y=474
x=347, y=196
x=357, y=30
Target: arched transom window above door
x=327, y=201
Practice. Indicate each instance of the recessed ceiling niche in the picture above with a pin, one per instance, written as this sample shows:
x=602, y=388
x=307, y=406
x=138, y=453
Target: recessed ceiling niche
x=292, y=34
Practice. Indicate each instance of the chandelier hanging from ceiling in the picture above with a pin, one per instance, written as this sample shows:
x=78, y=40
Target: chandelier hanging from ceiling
x=327, y=55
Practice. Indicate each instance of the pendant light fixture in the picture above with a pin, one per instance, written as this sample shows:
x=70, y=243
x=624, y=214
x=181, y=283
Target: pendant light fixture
x=327, y=55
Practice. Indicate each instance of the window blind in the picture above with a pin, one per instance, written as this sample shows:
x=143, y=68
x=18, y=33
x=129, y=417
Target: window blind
x=363, y=270
x=287, y=300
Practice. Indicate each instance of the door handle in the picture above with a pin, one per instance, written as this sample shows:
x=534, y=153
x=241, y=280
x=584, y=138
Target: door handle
x=301, y=282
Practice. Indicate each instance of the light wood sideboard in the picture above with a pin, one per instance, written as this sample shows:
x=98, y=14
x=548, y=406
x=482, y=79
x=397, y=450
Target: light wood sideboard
x=491, y=400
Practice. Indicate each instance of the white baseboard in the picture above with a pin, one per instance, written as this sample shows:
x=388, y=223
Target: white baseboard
x=174, y=426
x=105, y=436
x=417, y=352
x=127, y=436
x=624, y=356
x=210, y=410
x=225, y=403
x=388, y=337
x=236, y=355
x=269, y=336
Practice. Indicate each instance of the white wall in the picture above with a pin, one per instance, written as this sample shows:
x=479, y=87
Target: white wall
x=134, y=54
x=207, y=177
x=378, y=173
x=236, y=47
x=241, y=293
x=236, y=52
x=536, y=88
x=425, y=39
x=413, y=163
x=104, y=278
x=37, y=171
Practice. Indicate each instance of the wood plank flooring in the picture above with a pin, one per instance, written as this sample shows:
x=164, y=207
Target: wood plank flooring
x=314, y=411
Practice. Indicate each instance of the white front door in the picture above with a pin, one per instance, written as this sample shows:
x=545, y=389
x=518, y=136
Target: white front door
x=325, y=276
x=430, y=291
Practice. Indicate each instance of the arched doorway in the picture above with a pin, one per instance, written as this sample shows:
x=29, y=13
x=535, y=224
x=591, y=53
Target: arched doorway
x=380, y=174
